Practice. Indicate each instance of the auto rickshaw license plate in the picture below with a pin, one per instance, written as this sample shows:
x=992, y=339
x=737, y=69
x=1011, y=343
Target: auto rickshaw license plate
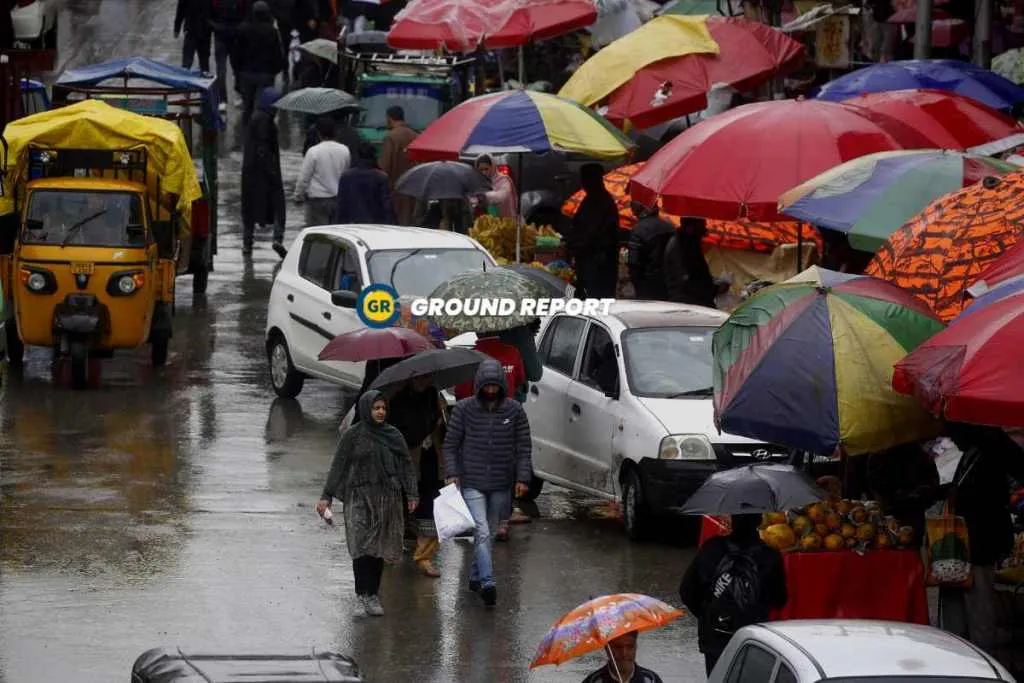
x=81, y=268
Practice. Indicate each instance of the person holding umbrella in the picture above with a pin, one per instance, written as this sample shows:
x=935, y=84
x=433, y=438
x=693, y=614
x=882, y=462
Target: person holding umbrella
x=370, y=472
x=622, y=666
x=737, y=580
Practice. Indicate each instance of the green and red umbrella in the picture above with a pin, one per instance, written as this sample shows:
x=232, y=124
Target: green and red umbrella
x=808, y=363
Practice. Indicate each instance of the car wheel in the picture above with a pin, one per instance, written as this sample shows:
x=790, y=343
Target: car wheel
x=286, y=379
x=635, y=512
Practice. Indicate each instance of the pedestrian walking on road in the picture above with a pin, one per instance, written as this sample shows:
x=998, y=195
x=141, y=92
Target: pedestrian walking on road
x=262, y=188
x=363, y=194
x=487, y=449
x=259, y=56
x=320, y=174
x=370, y=472
x=592, y=241
x=225, y=17
x=733, y=581
x=394, y=159
x=622, y=666
x=191, y=16
x=646, y=260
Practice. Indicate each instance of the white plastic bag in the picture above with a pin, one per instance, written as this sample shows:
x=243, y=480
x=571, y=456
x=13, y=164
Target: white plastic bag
x=451, y=515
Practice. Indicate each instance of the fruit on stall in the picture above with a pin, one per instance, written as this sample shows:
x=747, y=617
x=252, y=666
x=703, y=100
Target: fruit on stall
x=905, y=536
x=802, y=525
x=811, y=542
x=834, y=542
x=774, y=518
x=848, y=530
x=822, y=530
x=833, y=520
x=883, y=540
x=779, y=536
x=859, y=514
x=498, y=236
x=816, y=512
x=866, y=532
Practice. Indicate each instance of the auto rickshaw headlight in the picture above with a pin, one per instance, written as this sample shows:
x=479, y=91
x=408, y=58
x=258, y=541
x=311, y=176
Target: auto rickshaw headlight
x=38, y=281
x=125, y=283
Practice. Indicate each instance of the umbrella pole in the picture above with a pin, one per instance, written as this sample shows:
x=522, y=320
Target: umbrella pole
x=611, y=660
x=522, y=67
x=501, y=70
x=519, y=208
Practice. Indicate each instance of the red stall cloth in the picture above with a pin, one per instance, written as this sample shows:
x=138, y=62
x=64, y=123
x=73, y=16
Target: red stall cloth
x=881, y=584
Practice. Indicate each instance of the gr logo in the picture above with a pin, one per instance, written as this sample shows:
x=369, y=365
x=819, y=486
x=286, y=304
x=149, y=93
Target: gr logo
x=377, y=306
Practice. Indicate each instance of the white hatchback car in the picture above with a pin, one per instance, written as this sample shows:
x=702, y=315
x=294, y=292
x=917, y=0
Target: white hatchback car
x=624, y=408
x=851, y=651
x=313, y=294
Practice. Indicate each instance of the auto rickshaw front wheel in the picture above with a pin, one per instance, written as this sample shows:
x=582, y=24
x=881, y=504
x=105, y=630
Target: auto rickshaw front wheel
x=78, y=351
x=15, y=348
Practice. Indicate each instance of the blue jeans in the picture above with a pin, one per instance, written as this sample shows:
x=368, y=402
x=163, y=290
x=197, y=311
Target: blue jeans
x=486, y=507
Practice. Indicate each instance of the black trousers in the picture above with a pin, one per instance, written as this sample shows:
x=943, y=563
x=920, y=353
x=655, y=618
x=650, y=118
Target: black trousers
x=368, y=571
x=710, y=659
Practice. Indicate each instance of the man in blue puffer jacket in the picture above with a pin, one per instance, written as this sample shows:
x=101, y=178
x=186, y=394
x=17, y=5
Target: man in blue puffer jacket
x=486, y=450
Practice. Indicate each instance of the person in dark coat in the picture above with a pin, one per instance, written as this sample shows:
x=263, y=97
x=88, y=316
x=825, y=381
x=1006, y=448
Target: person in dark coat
x=259, y=54
x=981, y=495
x=225, y=18
x=687, y=276
x=363, y=194
x=191, y=17
x=487, y=449
x=262, y=187
x=905, y=481
x=343, y=132
x=646, y=259
x=700, y=584
x=592, y=241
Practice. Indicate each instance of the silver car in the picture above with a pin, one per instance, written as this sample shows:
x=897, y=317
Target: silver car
x=850, y=651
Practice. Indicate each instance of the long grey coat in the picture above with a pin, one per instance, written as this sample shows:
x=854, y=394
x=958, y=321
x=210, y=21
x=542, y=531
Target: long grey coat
x=370, y=470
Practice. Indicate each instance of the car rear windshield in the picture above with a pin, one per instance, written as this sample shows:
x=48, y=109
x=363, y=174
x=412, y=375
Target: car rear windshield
x=664, y=362
x=418, y=272
x=84, y=217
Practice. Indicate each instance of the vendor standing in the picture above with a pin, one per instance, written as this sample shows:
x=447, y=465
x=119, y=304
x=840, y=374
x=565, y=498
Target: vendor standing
x=905, y=481
x=592, y=242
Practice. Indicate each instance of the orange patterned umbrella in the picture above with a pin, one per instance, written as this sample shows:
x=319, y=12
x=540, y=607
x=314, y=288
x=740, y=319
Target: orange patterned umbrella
x=940, y=253
x=746, y=235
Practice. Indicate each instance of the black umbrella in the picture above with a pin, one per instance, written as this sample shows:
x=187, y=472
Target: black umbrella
x=442, y=180
x=753, y=489
x=447, y=367
x=551, y=283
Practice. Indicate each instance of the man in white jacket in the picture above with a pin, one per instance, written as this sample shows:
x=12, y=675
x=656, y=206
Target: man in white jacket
x=322, y=167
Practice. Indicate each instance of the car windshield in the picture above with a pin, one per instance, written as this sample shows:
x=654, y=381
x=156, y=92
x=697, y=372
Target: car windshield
x=422, y=105
x=418, y=272
x=84, y=217
x=669, y=362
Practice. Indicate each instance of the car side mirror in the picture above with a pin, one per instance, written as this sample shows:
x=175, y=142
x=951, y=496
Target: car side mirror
x=163, y=235
x=612, y=393
x=344, y=298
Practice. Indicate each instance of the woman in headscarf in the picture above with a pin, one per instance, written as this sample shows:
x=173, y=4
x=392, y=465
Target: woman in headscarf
x=593, y=240
x=262, y=188
x=370, y=472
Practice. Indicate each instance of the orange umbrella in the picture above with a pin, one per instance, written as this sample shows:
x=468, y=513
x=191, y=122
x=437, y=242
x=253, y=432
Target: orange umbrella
x=595, y=623
x=746, y=235
x=942, y=251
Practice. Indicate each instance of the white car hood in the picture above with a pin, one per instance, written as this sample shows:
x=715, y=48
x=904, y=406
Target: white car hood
x=690, y=416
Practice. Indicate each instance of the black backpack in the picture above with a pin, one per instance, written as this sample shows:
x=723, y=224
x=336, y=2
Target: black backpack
x=736, y=596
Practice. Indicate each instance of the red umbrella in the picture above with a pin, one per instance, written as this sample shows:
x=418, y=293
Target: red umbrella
x=970, y=372
x=751, y=53
x=1009, y=265
x=461, y=25
x=735, y=165
x=373, y=344
x=948, y=119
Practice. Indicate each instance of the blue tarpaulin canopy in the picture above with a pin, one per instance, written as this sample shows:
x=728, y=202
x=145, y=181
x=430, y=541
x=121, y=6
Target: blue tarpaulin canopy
x=145, y=69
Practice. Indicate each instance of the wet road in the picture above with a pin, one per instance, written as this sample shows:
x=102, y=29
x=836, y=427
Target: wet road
x=174, y=507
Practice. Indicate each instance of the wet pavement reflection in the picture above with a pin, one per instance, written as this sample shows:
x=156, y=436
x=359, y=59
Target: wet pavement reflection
x=173, y=507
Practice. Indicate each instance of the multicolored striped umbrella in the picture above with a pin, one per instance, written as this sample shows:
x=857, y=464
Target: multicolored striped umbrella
x=808, y=364
x=870, y=197
x=519, y=121
x=597, y=622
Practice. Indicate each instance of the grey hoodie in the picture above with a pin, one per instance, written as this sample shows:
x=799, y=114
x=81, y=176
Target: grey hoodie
x=488, y=448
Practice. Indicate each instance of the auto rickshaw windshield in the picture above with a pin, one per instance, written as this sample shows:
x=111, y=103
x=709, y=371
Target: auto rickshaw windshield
x=85, y=217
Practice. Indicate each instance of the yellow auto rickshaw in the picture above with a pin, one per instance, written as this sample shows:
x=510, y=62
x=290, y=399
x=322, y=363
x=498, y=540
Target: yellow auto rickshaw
x=95, y=220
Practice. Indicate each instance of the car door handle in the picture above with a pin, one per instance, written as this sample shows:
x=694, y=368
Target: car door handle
x=575, y=408
x=327, y=315
x=534, y=390
x=290, y=297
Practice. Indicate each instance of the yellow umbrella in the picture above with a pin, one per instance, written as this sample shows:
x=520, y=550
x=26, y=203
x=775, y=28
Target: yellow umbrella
x=661, y=38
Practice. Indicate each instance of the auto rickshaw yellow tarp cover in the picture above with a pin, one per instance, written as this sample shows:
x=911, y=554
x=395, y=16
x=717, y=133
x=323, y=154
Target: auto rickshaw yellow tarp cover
x=92, y=124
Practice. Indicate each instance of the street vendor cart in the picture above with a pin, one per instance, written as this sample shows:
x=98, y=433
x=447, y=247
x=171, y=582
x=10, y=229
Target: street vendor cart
x=95, y=220
x=183, y=97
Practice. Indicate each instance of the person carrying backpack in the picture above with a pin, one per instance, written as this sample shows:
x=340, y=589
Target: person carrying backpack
x=733, y=581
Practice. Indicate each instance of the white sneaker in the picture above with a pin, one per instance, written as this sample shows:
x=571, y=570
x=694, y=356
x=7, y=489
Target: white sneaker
x=364, y=602
x=373, y=606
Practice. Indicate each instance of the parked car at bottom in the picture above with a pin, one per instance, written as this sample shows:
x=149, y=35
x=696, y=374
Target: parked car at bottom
x=852, y=651
x=624, y=408
x=327, y=260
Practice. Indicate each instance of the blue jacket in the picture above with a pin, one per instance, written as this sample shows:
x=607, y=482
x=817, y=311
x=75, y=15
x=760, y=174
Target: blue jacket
x=488, y=449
